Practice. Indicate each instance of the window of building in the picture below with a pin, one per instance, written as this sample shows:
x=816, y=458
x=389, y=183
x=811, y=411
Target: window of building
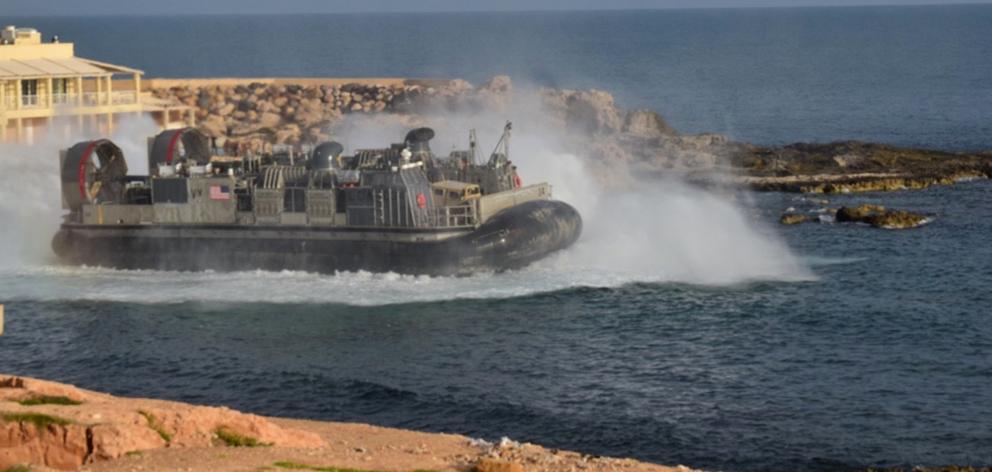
x=29, y=92
x=60, y=91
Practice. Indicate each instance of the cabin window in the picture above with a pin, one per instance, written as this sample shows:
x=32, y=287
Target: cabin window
x=29, y=92
x=439, y=192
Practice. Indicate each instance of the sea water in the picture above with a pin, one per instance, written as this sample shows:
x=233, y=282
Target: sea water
x=815, y=347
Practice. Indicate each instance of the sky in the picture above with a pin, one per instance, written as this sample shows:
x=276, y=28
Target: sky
x=179, y=7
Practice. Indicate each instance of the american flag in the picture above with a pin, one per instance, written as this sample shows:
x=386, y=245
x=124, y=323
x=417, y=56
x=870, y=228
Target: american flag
x=220, y=192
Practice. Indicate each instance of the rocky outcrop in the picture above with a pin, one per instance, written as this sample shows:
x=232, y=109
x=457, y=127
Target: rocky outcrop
x=254, y=116
x=851, y=166
x=874, y=215
x=63, y=427
x=880, y=217
x=46, y=425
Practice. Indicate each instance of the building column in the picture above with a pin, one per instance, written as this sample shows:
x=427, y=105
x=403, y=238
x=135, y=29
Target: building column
x=79, y=91
x=17, y=99
x=20, y=128
x=110, y=91
x=191, y=120
x=137, y=88
x=50, y=90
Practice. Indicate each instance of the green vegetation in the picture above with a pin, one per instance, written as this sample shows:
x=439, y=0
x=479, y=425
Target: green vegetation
x=134, y=453
x=233, y=439
x=297, y=466
x=49, y=400
x=17, y=468
x=156, y=426
x=40, y=420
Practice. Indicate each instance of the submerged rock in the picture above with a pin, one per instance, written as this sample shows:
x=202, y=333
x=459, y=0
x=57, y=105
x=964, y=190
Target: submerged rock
x=794, y=218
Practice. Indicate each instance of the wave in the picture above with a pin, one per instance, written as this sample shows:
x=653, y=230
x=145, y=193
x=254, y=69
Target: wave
x=70, y=283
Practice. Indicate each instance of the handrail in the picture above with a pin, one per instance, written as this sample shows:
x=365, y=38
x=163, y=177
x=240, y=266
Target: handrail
x=29, y=101
x=456, y=216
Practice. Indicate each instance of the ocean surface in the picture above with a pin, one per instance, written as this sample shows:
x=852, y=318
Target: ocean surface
x=906, y=75
x=685, y=327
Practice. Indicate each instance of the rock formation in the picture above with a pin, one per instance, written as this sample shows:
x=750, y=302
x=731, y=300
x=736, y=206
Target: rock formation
x=255, y=116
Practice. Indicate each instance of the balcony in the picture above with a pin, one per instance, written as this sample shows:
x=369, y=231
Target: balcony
x=86, y=99
x=29, y=101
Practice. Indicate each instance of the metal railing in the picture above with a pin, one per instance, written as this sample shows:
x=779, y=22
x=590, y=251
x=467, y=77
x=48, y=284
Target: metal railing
x=62, y=99
x=123, y=97
x=456, y=216
x=29, y=101
x=91, y=99
x=86, y=99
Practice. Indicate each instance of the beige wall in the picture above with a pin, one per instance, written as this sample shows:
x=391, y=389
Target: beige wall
x=36, y=51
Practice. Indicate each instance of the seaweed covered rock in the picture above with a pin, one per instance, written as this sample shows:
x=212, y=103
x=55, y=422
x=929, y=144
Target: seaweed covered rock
x=880, y=217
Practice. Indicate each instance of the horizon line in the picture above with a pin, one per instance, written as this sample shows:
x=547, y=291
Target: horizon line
x=929, y=4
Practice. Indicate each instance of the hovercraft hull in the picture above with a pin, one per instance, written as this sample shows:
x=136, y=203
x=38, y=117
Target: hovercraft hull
x=510, y=239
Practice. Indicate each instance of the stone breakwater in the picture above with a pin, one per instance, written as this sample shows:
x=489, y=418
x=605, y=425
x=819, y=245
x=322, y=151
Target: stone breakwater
x=57, y=426
x=255, y=114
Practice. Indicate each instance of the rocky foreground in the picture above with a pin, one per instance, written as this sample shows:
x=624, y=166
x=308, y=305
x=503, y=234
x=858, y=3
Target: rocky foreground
x=254, y=115
x=52, y=426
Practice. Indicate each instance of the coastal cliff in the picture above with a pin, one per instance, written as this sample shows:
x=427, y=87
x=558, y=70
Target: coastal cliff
x=254, y=114
x=57, y=426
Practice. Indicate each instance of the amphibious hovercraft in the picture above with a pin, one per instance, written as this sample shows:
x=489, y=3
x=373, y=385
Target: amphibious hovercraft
x=400, y=209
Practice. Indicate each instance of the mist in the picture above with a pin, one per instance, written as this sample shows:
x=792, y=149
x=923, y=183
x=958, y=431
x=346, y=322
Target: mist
x=636, y=228
x=30, y=191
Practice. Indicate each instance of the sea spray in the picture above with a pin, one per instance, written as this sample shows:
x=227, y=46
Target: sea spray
x=636, y=228
x=30, y=191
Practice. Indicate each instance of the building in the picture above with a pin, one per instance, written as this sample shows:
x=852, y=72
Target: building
x=45, y=88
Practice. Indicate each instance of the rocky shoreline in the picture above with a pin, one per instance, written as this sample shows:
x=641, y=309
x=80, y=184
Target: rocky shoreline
x=52, y=426
x=254, y=114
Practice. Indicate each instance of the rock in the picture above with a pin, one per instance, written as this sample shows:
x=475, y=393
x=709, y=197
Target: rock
x=880, y=217
x=289, y=133
x=226, y=109
x=859, y=213
x=647, y=124
x=494, y=465
x=269, y=120
x=65, y=436
x=498, y=84
x=586, y=112
x=111, y=441
x=794, y=218
x=214, y=126
x=897, y=219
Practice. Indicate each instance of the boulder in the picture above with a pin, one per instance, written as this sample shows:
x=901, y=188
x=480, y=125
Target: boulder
x=858, y=213
x=214, y=126
x=794, y=218
x=269, y=120
x=880, y=217
x=647, y=124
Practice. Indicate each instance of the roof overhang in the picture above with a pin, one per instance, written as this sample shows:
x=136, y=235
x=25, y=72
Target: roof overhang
x=11, y=69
